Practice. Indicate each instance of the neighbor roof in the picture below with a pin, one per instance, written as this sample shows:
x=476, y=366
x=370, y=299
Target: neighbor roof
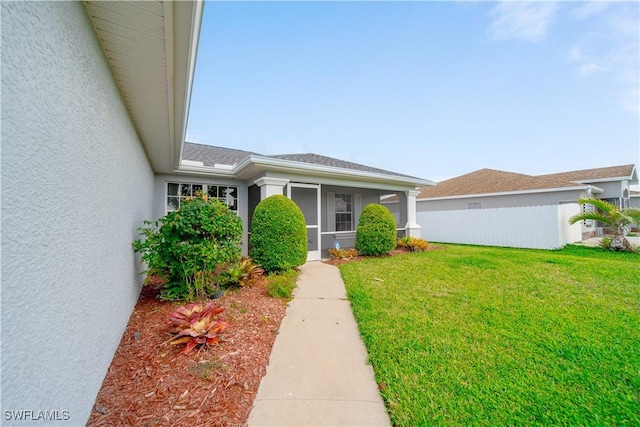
x=488, y=181
x=211, y=155
x=594, y=175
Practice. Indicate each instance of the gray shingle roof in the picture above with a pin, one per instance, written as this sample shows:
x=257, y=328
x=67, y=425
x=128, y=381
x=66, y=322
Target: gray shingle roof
x=210, y=155
x=317, y=159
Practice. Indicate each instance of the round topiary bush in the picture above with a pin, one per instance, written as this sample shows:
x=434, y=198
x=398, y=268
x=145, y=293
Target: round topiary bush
x=278, y=234
x=376, y=232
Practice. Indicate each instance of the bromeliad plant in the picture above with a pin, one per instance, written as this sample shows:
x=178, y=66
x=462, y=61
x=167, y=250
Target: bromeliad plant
x=196, y=324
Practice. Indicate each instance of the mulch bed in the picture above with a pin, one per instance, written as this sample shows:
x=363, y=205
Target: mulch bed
x=340, y=261
x=149, y=384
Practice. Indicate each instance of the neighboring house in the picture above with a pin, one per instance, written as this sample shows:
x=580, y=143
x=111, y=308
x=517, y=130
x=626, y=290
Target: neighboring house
x=493, y=189
x=95, y=98
x=615, y=181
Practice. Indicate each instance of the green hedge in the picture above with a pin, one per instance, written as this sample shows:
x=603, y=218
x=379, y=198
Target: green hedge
x=278, y=234
x=376, y=232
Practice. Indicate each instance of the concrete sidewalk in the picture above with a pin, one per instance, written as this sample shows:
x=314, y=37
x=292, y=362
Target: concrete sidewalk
x=318, y=373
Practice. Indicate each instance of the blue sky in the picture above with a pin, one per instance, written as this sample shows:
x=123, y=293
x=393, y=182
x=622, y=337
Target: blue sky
x=432, y=89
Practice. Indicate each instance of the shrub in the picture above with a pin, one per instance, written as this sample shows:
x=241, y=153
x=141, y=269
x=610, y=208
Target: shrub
x=281, y=285
x=376, y=232
x=278, y=234
x=185, y=247
x=414, y=244
x=343, y=253
x=605, y=243
x=242, y=273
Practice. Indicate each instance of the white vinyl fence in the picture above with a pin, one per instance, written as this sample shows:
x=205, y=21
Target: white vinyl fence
x=539, y=227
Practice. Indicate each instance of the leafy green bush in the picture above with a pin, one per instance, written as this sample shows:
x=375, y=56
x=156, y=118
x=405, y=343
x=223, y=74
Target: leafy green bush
x=281, y=285
x=278, y=234
x=376, y=232
x=183, y=249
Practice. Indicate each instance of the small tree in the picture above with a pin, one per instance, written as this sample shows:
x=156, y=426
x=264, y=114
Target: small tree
x=610, y=214
x=185, y=247
x=278, y=234
x=376, y=232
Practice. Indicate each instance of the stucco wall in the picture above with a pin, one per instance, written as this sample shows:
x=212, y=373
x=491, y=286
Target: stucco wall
x=75, y=186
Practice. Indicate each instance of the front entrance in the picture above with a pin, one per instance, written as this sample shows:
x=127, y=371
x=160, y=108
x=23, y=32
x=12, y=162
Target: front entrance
x=307, y=197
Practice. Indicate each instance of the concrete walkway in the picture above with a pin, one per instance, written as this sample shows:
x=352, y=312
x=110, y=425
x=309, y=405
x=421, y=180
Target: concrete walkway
x=318, y=373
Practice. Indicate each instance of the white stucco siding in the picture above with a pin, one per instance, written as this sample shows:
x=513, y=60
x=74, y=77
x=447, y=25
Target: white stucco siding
x=75, y=186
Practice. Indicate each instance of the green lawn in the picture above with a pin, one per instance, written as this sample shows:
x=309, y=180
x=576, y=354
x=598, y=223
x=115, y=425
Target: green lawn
x=493, y=336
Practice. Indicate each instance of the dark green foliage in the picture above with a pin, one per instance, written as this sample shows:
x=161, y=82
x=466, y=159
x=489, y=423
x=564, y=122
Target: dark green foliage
x=376, y=232
x=278, y=234
x=183, y=249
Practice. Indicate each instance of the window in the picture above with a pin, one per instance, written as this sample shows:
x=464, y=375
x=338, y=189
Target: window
x=344, y=212
x=476, y=205
x=178, y=192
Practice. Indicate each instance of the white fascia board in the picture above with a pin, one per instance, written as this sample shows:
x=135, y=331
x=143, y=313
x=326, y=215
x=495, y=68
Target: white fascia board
x=329, y=171
x=612, y=179
x=594, y=189
x=185, y=30
x=205, y=171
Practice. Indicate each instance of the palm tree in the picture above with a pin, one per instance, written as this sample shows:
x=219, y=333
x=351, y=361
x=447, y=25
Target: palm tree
x=610, y=214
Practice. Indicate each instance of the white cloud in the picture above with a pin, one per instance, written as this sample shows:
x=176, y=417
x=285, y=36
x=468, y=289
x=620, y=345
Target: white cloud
x=528, y=21
x=588, y=68
x=610, y=47
x=588, y=9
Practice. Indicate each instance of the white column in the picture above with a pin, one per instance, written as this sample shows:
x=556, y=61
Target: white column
x=412, y=227
x=270, y=186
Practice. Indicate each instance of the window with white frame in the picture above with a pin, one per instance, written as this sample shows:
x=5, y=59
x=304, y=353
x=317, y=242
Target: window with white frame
x=178, y=192
x=344, y=212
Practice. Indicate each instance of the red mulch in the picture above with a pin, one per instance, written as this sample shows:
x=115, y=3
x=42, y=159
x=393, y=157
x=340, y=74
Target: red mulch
x=149, y=384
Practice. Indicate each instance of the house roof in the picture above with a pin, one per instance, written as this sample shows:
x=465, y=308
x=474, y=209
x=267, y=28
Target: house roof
x=151, y=49
x=489, y=181
x=317, y=159
x=210, y=155
x=233, y=162
x=598, y=174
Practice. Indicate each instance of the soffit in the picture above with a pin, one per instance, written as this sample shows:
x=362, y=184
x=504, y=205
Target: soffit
x=150, y=48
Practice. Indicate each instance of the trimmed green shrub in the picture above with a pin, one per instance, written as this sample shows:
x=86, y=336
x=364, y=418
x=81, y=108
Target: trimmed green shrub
x=376, y=232
x=278, y=234
x=185, y=247
x=281, y=285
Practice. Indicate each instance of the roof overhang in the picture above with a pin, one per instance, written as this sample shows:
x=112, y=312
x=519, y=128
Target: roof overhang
x=151, y=48
x=254, y=166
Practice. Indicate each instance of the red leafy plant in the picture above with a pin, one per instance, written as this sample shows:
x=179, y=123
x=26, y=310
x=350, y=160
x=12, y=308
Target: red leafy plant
x=196, y=324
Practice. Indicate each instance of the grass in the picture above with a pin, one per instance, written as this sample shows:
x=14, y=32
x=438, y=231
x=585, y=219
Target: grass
x=281, y=285
x=495, y=336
